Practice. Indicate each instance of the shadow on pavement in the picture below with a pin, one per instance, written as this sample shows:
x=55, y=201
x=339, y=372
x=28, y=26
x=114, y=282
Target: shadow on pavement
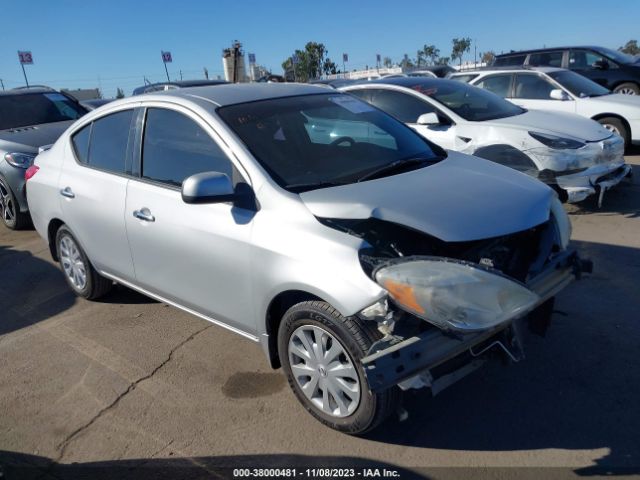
x=31, y=290
x=29, y=467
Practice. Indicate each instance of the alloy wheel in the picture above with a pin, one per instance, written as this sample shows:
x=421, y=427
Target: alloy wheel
x=324, y=371
x=627, y=91
x=612, y=128
x=72, y=262
x=7, y=208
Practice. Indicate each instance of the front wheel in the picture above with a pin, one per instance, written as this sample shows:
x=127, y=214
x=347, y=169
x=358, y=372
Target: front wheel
x=617, y=126
x=320, y=351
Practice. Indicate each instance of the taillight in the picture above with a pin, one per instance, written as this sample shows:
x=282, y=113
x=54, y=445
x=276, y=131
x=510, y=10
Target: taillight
x=31, y=171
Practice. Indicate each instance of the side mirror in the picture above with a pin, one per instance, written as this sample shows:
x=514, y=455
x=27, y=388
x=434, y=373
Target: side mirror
x=428, y=119
x=558, y=94
x=601, y=65
x=208, y=187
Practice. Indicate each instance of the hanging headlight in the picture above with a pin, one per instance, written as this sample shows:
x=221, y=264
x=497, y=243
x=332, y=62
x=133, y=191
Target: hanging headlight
x=454, y=295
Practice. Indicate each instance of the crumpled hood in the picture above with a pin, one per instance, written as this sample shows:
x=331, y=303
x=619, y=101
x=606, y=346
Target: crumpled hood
x=555, y=123
x=28, y=139
x=461, y=198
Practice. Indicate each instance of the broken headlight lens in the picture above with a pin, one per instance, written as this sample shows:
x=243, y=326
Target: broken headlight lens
x=559, y=143
x=454, y=295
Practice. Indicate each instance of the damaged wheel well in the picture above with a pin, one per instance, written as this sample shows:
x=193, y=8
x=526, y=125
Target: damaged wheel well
x=277, y=308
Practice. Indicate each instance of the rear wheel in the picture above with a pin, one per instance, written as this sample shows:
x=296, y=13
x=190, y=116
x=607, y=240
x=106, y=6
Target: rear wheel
x=320, y=351
x=627, y=89
x=617, y=126
x=80, y=275
x=12, y=217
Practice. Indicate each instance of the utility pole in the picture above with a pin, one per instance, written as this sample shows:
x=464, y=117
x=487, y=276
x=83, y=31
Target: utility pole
x=2, y=83
x=475, y=54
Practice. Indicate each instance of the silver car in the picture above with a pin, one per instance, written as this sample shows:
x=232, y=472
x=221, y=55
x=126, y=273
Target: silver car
x=364, y=259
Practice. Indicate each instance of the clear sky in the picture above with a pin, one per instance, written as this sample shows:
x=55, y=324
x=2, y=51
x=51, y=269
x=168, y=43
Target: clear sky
x=114, y=43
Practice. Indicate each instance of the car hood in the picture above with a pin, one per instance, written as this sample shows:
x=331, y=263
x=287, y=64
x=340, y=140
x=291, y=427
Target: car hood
x=555, y=123
x=28, y=139
x=461, y=198
x=618, y=100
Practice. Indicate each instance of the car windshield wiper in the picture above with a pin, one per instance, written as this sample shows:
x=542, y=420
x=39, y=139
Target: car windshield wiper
x=397, y=165
x=304, y=187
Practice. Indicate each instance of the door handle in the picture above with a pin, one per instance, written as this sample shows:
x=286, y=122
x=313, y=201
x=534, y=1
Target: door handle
x=144, y=214
x=67, y=192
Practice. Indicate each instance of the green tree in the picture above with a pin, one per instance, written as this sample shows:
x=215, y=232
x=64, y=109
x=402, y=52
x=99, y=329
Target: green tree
x=460, y=47
x=119, y=93
x=313, y=61
x=431, y=53
x=487, y=57
x=442, y=61
x=631, y=47
x=387, y=62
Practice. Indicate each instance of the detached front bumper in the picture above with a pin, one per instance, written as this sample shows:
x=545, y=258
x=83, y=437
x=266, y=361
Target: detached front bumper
x=420, y=356
x=597, y=179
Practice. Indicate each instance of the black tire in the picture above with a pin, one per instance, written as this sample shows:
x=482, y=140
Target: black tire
x=10, y=213
x=615, y=124
x=355, y=337
x=95, y=285
x=627, y=88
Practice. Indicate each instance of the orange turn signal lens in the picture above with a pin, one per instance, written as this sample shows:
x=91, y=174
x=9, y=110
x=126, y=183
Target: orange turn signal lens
x=404, y=295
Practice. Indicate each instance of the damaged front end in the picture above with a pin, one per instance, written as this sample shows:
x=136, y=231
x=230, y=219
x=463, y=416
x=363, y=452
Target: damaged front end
x=450, y=303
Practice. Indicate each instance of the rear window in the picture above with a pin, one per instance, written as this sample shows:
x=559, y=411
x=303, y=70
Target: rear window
x=509, y=61
x=36, y=108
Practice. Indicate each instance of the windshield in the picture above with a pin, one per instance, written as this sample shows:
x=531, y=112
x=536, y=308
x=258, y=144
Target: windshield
x=471, y=103
x=36, y=108
x=578, y=85
x=314, y=141
x=615, y=55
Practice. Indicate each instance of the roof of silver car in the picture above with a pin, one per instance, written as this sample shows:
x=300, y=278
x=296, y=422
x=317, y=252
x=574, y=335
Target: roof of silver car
x=244, y=92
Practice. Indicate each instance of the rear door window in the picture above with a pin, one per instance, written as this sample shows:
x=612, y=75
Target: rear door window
x=80, y=142
x=510, y=61
x=546, y=59
x=498, y=84
x=175, y=147
x=109, y=140
x=405, y=108
x=532, y=86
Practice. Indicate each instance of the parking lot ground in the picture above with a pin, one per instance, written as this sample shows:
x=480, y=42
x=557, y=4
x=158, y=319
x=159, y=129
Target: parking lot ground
x=131, y=387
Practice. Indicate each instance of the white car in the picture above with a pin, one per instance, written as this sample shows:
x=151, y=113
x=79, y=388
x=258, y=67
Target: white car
x=575, y=156
x=560, y=90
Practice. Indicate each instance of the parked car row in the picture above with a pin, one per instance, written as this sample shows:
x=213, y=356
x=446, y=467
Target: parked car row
x=611, y=69
x=575, y=156
x=388, y=235
x=364, y=258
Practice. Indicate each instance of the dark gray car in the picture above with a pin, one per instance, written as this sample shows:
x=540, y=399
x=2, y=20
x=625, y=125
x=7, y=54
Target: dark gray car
x=29, y=119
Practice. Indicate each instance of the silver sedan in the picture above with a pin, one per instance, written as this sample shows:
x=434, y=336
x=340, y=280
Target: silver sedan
x=363, y=258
